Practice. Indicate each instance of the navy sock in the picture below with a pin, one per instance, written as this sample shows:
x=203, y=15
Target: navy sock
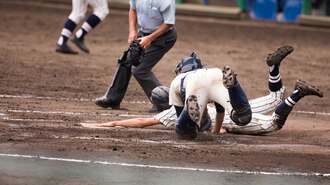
x=287, y=105
x=274, y=82
x=284, y=109
x=69, y=27
x=90, y=23
x=93, y=20
x=295, y=96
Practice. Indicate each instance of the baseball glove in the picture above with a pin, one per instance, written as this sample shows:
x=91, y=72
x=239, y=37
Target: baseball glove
x=135, y=52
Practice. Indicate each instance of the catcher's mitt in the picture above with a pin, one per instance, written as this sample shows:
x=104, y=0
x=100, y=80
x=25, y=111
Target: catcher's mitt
x=135, y=51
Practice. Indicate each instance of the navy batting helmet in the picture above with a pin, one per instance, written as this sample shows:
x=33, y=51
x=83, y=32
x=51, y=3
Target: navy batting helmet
x=160, y=97
x=187, y=64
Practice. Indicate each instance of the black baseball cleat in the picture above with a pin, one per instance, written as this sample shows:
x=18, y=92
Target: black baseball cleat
x=65, y=49
x=193, y=108
x=307, y=89
x=277, y=57
x=80, y=44
x=104, y=103
x=229, y=77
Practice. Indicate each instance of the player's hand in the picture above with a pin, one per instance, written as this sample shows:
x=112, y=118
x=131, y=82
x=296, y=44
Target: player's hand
x=222, y=131
x=131, y=37
x=145, y=41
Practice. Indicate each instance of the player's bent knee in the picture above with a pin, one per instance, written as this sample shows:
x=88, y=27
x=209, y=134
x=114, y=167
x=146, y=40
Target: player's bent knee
x=242, y=117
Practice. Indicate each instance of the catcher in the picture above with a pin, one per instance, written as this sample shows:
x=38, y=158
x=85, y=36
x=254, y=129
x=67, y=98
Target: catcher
x=259, y=124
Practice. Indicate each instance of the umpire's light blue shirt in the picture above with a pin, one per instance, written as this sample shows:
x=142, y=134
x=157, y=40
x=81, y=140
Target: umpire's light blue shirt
x=152, y=13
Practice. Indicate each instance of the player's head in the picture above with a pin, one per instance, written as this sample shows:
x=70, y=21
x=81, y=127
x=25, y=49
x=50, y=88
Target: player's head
x=160, y=97
x=187, y=64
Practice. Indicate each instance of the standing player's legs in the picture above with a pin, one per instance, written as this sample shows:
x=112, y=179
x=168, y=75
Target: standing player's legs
x=79, y=8
x=302, y=89
x=101, y=10
x=268, y=103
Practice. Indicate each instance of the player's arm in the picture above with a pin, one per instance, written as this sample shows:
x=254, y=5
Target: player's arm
x=147, y=40
x=218, y=119
x=128, y=123
x=132, y=22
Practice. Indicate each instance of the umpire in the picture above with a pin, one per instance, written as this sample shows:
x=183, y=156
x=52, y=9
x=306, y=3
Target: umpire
x=151, y=22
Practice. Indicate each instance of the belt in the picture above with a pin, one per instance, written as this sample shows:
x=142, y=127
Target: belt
x=143, y=34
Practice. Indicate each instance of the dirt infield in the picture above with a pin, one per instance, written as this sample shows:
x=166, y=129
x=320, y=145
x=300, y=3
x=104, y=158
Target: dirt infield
x=62, y=90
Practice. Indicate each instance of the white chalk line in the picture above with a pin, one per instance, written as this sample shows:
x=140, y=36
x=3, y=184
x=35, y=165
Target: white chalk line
x=179, y=168
x=61, y=98
x=32, y=120
x=130, y=102
x=145, y=141
x=74, y=113
x=5, y=117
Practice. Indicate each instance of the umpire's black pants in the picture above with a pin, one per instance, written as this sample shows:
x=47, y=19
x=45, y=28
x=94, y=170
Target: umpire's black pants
x=151, y=57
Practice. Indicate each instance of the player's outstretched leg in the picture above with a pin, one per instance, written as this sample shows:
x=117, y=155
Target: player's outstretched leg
x=274, y=61
x=90, y=23
x=62, y=46
x=241, y=113
x=267, y=104
x=302, y=89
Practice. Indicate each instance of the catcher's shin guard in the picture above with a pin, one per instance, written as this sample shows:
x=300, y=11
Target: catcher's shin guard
x=185, y=127
x=118, y=87
x=241, y=113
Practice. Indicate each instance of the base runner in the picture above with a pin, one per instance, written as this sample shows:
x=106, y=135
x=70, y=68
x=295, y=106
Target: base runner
x=260, y=123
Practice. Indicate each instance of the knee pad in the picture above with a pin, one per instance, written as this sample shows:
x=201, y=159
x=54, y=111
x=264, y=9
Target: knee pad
x=242, y=116
x=160, y=98
x=185, y=127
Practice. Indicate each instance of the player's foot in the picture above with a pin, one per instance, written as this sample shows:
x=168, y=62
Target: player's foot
x=65, y=49
x=307, y=89
x=104, y=103
x=193, y=108
x=80, y=44
x=229, y=77
x=277, y=57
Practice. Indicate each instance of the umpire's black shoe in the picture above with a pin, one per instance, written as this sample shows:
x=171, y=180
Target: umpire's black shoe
x=277, y=57
x=104, y=102
x=65, y=49
x=306, y=89
x=80, y=44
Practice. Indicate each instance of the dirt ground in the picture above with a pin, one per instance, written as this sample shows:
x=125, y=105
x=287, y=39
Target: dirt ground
x=63, y=88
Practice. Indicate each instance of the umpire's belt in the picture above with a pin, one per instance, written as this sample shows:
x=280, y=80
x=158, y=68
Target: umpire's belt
x=143, y=34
